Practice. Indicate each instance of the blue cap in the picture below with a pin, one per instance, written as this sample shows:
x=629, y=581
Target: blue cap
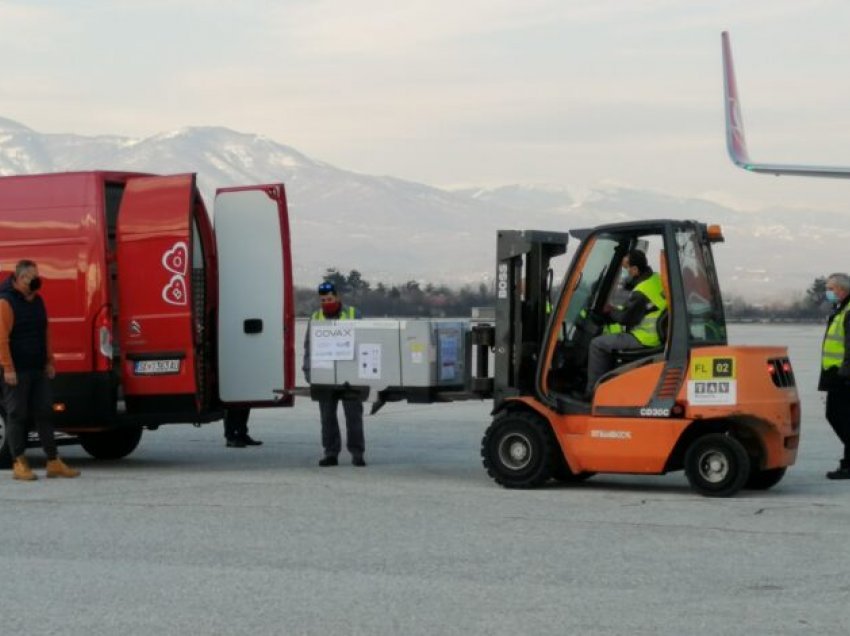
x=327, y=288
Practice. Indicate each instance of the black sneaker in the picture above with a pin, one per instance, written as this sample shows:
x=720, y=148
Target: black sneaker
x=839, y=473
x=329, y=461
x=250, y=441
x=236, y=442
x=358, y=461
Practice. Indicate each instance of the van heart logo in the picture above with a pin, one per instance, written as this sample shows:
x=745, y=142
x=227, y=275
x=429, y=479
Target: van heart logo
x=176, y=259
x=175, y=292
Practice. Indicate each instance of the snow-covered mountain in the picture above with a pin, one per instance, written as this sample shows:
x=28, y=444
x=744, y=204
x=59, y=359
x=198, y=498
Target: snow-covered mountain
x=394, y=230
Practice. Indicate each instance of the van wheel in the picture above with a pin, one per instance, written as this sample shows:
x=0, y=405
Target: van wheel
x=518, y=450
x=5, y=453
x=764, y=479
x=111, y=444
x=717, y=465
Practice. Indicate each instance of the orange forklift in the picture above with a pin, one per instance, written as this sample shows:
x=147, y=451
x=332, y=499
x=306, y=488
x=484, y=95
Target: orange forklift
x=729, y=416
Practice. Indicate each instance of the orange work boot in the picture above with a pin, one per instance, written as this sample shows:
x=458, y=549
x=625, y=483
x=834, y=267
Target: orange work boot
x=21, y=470
x=57, y=468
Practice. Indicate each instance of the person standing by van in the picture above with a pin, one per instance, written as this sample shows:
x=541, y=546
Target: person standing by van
x=27, y=363
x=236, y=429
x=333, y=309
x=835, y=367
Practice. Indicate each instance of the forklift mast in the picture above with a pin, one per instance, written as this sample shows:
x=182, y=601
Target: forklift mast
x=523, y=285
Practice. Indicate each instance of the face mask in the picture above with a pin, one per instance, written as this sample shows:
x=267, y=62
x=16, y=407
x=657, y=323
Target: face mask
x=831, y=296
x=35, y=284
x=624, y=273
x=331, y=309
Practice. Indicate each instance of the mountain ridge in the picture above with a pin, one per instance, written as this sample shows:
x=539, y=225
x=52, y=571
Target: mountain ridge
x=393, y=230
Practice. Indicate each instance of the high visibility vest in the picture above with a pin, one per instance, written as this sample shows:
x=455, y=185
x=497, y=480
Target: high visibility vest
x=612, y=327
x=347, y=313
x=647, y=331
x=608, y=327
x=832, y=354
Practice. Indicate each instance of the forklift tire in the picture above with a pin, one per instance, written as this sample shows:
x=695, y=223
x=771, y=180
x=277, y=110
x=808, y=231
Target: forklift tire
x=717, y=465
x=113, y=444
x=518, y=450
x=764, y=479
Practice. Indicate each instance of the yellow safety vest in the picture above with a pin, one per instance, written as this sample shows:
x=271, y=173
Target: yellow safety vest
x=608, y=327
x=612, y=327
x=347, y=313
x=832, y=354
x=647, y=331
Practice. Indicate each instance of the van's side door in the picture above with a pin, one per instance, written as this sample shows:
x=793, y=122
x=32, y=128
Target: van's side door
x=155, y=312
x=256, y=318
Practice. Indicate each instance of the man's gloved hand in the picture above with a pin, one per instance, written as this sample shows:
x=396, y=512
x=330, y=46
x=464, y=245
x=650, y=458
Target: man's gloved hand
x=596, y=317
x=602, y=317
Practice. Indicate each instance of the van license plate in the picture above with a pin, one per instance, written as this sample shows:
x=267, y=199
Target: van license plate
x=156, y=367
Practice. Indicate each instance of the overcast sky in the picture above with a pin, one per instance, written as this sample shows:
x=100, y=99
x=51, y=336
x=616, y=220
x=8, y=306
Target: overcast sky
x=460, y=92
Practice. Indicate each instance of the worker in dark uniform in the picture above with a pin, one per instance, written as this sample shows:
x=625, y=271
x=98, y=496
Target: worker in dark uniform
x=236, y=429
x=27, y=362
x=638, y=317
x=835, y=367
x=333, y=309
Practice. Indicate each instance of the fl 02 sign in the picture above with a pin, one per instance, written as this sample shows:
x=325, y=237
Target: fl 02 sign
x=156, y=367
x=712, y=381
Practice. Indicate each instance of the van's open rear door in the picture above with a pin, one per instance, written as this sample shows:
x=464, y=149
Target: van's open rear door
x=155, y=332
x=256, y=318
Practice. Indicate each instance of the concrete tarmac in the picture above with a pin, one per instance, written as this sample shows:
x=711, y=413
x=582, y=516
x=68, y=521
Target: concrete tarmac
x=187, y=536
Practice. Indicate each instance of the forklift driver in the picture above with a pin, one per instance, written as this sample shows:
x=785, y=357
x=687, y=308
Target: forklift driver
x=638, y=317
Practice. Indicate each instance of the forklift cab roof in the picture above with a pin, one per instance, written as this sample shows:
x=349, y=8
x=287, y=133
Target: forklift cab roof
x=710, y=232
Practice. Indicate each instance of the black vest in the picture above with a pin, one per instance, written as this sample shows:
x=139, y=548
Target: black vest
x=28, y=339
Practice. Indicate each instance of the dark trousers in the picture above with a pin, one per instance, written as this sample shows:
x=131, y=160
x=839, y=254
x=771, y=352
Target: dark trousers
x=601, y=354
x=28, y=404
x=236, y=423
x=838, y=416
x=354, y=439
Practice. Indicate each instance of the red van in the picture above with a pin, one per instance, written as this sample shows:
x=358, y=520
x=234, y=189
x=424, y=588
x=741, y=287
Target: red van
x=155, y=315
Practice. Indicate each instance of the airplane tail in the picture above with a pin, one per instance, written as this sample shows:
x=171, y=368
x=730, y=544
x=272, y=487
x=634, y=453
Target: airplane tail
x=736, y=142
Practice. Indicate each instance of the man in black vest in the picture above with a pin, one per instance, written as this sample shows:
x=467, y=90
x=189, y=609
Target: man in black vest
x=27, y=365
